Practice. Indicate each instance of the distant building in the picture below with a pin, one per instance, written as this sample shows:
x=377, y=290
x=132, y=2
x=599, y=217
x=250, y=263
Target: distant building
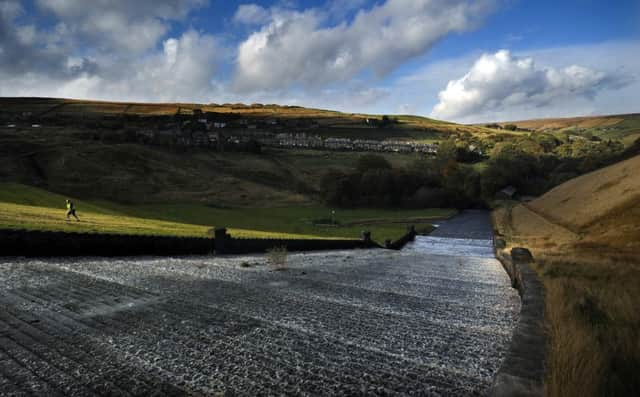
x=508, y=193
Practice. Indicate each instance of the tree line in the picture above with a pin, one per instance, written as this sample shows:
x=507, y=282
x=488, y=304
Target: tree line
x=452, y=178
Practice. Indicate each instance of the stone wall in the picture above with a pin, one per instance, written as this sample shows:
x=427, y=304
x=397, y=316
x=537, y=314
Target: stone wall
x=40, y=243
x=402, y=241
x=44, y=244
x=225, y=244
x=522, y=372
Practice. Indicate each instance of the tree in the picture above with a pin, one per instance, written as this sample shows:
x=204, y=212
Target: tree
x=511, y=127
x=336, y=188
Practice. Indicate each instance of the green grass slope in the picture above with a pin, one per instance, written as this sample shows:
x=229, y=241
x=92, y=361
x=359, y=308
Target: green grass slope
x=26, y=207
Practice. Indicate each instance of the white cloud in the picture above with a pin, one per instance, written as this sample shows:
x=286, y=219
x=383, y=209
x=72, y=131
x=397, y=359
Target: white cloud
x=297, y=48
x=351, y=97
x=341, y=8
x=133, y=26
x=10, y=9
x=304, y=58
x=503, y=82
x=107, y=49
x=24, y=48
x=182, y=71
x=251, y=14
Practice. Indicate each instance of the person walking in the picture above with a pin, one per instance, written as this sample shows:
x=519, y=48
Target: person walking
x=71, y=210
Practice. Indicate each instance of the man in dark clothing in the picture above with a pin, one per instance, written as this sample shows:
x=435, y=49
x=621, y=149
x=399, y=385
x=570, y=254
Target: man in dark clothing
x=71, y=210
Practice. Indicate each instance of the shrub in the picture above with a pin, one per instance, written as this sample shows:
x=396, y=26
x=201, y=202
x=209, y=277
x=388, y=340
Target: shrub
x=510, y=127
x=277, y=258
x=368, y=162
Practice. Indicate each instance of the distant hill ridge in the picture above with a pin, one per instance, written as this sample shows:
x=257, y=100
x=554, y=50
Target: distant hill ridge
x=586, y=200
x=555, y=123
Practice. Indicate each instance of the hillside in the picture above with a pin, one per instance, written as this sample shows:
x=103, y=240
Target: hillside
x=585, y=237
x=318, y=121
x=597, y=214
x=101, y=150
x=70, y=162
x=624, y=127
x=234, y=155
x=31, y=208
x=583, y=202
x=25, y=207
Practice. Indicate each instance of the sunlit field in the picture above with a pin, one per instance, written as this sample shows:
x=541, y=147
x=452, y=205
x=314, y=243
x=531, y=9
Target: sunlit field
x=25, y=207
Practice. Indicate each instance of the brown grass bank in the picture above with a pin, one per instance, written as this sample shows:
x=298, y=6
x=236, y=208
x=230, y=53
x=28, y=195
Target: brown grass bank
x=584, y=236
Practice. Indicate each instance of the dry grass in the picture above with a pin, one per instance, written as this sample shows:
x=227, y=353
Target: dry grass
x=583, y=201
x=580, y=122
x=593, y=324
x=590, y=267
x=277, y=258
x=326, y=118
x=592, y=314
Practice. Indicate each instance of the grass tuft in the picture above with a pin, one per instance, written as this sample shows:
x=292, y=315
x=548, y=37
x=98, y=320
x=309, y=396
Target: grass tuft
x=277, y=258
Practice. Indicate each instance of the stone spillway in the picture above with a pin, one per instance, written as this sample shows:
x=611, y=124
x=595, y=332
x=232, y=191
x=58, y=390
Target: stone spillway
x=432, y=319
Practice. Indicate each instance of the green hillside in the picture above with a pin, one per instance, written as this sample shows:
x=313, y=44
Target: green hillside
x=69, y=161
x=26, y=207
x=96, y=152
x=622, y=127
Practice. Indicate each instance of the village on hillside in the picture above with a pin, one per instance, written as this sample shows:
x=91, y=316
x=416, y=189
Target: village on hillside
x=224, y=132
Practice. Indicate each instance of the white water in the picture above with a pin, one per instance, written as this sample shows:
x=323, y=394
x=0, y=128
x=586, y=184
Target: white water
x=451, y=247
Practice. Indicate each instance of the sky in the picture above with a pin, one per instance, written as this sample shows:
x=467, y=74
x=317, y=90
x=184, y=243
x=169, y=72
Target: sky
x=457, y=60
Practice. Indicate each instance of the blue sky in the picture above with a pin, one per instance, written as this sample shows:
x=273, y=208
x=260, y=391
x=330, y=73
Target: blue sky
x=467, y=61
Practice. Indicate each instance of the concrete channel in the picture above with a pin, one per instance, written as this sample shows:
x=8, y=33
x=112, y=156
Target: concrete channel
x=433, y=319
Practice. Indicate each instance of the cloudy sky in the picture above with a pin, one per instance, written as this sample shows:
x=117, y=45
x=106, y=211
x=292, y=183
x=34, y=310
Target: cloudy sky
x=466, y=61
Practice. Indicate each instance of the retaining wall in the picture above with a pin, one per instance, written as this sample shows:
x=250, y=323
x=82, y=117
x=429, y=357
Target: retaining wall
x=402, y=241
x=43, y=244
x=522, y=372
x=39, y=243
x=225, y=244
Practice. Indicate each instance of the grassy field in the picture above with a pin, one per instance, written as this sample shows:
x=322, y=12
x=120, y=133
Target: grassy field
x=585, y=236
x=25, y=207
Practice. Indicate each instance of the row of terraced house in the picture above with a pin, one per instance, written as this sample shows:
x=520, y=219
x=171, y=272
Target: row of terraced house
x=302, y=140
x=217, y=137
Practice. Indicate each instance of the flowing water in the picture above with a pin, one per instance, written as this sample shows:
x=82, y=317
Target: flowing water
x=432, y=319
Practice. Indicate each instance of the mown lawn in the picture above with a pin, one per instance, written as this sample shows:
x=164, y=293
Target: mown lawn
x=25, y=207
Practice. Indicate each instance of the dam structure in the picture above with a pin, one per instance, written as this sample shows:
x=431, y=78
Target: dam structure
x=435, y=318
